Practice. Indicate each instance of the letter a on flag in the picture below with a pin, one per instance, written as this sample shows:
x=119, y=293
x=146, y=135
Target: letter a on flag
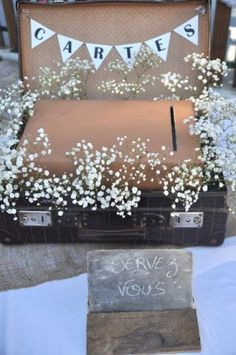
x=68, y=46
x=189, y=30
x=98, y=53
x=39, y=33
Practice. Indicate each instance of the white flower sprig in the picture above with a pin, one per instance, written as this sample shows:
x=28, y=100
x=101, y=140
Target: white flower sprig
x=134, y=77
x=16, y=106
x=18, y=170
x=214, y=124
x=101, y=181
x=183, y=184
x=68, y=81
x=216, y=128
x=208, y=73
x=210, y=70
x=174, y=82
x=17, y=101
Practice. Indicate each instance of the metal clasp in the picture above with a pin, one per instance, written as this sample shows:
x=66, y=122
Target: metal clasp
x=35, y=218
x=186, y=219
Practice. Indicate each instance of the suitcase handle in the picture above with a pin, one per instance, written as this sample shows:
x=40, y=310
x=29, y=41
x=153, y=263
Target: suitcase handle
x=111, y=236
x=154, y=219
x=139, y=222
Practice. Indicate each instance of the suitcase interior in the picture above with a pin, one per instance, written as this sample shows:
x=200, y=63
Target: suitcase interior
x=112, y=23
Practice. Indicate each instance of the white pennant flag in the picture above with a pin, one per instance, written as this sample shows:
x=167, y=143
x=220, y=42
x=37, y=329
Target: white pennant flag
x=160, y=45
x=98, y=53
x=39, y=33
x=189, y=30
x=128, y=52
x=68, y=46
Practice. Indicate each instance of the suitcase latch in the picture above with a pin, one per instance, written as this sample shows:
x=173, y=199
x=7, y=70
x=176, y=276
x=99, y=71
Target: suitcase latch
x=186, y=219
x=35, y=218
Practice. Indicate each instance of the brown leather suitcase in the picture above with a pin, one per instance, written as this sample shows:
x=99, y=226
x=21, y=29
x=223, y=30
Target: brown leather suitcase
x=153, y=221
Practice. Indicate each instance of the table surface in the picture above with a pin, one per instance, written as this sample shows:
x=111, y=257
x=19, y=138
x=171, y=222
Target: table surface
x=50, y=319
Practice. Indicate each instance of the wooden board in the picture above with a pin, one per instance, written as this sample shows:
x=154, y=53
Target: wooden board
x=8, y=8
x=142, y=332
x=139, y=280
x=220, y=31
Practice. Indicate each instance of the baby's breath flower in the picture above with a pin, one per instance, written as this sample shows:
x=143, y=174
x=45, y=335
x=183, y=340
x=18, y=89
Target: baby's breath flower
x=95, y=183
x=134, y=78
x=69, y=81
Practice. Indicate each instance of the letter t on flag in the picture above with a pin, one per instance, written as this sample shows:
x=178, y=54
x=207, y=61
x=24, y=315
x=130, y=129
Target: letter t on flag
x=68, y=46
x=160, y=45
x=128, y=52
x=39, y=33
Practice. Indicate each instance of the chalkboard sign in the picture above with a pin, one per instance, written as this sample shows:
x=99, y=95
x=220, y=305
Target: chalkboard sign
x=139, y=280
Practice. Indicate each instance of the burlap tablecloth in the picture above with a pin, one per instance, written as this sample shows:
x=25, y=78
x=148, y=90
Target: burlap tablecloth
x=29, y=265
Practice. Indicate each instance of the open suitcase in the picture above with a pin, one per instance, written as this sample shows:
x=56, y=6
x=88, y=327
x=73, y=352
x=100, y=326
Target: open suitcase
x=113, y=22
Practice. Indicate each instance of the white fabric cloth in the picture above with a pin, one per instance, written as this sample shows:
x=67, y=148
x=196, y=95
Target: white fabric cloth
x=50, y=319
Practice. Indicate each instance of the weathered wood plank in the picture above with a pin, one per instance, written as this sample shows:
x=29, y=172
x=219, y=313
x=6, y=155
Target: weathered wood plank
x=220, y=31
x=234, y=78
x=142, y=333
x=8, y=8
x=139, y=280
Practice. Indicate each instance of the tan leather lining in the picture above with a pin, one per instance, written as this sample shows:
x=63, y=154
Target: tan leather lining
x=111, y=23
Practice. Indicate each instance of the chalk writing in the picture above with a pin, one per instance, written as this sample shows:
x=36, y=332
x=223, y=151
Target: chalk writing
x=131, y=289
x=172, y=273
x=119, y=265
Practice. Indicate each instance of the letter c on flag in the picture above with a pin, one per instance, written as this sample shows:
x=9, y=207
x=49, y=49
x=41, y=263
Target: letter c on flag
x=37, y=33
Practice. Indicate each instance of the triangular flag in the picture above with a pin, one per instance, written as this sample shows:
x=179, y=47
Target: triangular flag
x=160, y=45
x=189, y=30
x=39, y=33
x=128, y=52
x=68, y=46
x=98, y=53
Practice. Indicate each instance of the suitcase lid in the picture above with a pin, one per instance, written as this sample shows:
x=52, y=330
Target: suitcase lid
x=111, y=23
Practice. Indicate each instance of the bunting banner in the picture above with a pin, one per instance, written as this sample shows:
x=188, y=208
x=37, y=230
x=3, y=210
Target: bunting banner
x=189, y=30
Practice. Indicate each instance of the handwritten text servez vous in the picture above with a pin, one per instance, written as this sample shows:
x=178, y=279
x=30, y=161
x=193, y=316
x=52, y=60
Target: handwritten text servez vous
x=119, y=265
